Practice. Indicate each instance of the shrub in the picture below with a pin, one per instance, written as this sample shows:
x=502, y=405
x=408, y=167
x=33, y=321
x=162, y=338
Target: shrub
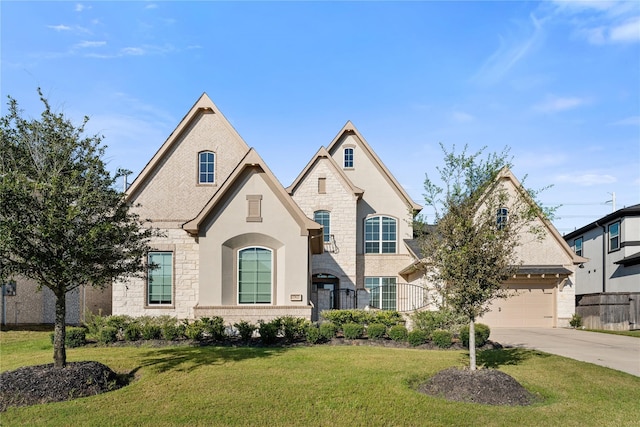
x=214, y=327
x=107, y=334
x=352, y=331
x=442, y=338
x=482, y=334
x=269, y=331
x=245, y=329
x=74, y=337
x=388, y=318
x=398, y=333
x=132, y=332
x=313, y=334
x=376, y=331
x=576, y=320
x=328, y=330
x=340, y=317
x=93, y=323
x=170, y=332
x=194, y=330
x=417, y=337
x=293, y=328
x=430, y=321
x=119, y=322
x=150, y=331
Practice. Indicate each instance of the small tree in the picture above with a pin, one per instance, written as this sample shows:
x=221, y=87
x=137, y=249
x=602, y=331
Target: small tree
x=62, y=223
x=471, y=250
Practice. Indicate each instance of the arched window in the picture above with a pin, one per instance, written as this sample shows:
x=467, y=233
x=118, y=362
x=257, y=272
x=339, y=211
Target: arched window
x=348, y=157
x=324, y=218
x=206, y=167
x=255, y=275
x=380, y=235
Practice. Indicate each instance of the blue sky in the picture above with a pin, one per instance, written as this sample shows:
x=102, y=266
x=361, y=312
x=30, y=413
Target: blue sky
x=558, y=82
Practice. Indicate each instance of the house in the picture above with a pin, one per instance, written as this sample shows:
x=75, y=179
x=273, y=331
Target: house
x=366, y=217
x=22, y=303
x=237, y=244
x=544, y=285
x=608, y=283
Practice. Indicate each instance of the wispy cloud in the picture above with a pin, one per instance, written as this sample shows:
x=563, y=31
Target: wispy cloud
x=587, y=179
x=462, y=117
x=629, y=121
x=151, y=6
x=90, y=44
x=60, y=27
x=512, y=50
x=80, y=7
x=554, y=104
x=602, y=22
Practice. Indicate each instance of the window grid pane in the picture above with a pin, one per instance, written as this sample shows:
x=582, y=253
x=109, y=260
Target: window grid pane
x=159, y=279
x=254, y=276
x=578, y=246
x=206, y=167
x=348, y=157
x=324, y=218
x=614, y=236
x=380, y=235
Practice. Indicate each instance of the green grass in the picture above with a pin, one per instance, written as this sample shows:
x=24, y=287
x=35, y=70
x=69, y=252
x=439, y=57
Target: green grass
x=635, y=334
x=319, y=385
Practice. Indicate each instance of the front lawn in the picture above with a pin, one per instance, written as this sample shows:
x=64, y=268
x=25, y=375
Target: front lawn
x=635, y=333
x=317, y=385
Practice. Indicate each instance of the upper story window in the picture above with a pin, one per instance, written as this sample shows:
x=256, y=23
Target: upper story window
x=614, y=236
x=206, y=163
x=577, y=246
x=160, y=278
x=324, y=218
x=380, y=235
x=348, y=157
x=501, y=218
x=255, y=275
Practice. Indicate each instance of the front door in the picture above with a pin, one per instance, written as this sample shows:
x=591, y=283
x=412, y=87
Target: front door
x=324, y=293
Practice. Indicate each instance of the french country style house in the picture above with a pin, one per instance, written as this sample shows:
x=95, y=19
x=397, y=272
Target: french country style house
x=237, y=244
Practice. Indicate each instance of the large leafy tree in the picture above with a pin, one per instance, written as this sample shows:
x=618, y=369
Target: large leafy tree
x=479, y=223
x=62, y=222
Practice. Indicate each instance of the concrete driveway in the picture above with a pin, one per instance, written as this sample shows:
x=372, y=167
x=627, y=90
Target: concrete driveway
x=613, y=351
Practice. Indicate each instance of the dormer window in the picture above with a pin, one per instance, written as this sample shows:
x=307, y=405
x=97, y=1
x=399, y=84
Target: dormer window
x=206, y=167
x=348, y=158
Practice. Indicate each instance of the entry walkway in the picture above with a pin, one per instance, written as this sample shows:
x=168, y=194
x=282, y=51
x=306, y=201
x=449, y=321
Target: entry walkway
x=612, y=351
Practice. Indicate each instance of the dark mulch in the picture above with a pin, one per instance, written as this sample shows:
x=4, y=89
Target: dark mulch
x=31, y=385
x=486, y=386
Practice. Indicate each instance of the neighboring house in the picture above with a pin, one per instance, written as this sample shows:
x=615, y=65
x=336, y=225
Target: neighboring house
x=22, y=303
x=544, y=286
x=608, y=284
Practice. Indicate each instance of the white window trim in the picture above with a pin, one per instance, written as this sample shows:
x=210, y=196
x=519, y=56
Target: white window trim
x=148, y=303
x=617, y=235
x=215, y=157
x=380, y=240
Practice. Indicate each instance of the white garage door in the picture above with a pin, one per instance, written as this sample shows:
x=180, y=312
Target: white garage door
x=531, y=306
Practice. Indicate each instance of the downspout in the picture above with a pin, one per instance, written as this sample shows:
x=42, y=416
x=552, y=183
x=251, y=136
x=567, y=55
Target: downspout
x=604, y=254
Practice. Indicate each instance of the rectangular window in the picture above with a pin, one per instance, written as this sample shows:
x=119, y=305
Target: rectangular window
x=577, y=246
x=501, y=218
x=254, y=276
x=206, y=167
x=160, y=278
x=382, y=292
x=614, y=236
x=348, y=157
x=380, y=235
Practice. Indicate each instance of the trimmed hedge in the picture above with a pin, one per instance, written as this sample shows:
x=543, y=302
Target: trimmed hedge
x=398, y=333
x=442, y=338
x=352, y=330
x=417, y=337
x=376, y=331
x=482, y=334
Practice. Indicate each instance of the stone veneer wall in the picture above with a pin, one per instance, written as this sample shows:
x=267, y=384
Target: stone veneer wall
x=341, y=203
x=129, y=297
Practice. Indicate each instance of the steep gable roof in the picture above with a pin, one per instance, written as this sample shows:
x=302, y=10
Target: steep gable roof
x=203, y=105
x=253, y=161
x=350, y=129
x=324, y=154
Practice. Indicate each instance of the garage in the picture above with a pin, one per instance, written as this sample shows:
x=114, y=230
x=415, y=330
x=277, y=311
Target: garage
x=531, y=305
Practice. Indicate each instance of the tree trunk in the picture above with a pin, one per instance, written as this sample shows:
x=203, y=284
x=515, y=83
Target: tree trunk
x=60, y=332
x=472, y=345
